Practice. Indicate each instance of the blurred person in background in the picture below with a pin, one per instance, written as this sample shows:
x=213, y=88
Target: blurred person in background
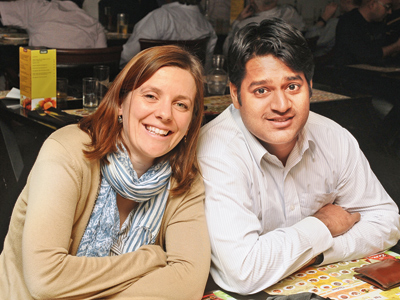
x=135, y=9
x=323, y=32
x=393, y=22
x=54, y=24
x=178, y=20
x=361, y=35
x=258, y=10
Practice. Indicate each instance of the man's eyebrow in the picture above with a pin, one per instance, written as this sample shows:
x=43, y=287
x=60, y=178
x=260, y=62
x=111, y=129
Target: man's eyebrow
x=264, y=81
x=297, y=77
x=260, y=82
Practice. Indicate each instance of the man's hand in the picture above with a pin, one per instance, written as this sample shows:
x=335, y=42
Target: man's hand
x=245, y=13
x=329, y=11
x=337, y=219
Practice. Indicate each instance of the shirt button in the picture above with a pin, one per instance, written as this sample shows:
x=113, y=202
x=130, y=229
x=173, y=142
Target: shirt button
x=292, y=207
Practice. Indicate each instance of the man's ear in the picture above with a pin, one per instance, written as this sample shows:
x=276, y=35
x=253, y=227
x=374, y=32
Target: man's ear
x=234, y=95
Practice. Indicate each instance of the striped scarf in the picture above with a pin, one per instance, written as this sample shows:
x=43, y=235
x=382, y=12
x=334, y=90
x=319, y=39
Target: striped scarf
x=151, y=190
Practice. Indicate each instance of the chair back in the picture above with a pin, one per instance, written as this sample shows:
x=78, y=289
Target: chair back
x=78, y=63
x=196, y=47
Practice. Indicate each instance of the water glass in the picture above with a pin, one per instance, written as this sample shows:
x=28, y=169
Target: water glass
x=89, y=88
x=62, y=93
x=102, y=73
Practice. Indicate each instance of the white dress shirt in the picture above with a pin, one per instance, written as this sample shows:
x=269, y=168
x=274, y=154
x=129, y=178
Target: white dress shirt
x=326, y=36
x=259, y=212
x=285, y=12
x=55, y=24
x=173, y=21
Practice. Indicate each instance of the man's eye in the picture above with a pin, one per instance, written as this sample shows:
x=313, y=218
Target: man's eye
x=293, y=87
x=149, y=96
x=260, y=91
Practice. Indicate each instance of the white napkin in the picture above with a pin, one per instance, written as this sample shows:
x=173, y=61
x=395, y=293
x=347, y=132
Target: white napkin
x=14, y=93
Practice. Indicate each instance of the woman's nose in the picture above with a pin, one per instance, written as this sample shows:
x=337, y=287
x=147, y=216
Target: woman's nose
x=164, y=111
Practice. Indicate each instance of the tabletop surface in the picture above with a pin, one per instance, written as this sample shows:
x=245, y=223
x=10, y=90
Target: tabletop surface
x=335, y=281
x=381, y=69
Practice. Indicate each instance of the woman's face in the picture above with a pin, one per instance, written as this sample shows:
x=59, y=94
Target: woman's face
x=157, y=115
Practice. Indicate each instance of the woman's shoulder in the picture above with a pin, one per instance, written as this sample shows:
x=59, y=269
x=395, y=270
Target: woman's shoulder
x=70, y=134
x=71, y=138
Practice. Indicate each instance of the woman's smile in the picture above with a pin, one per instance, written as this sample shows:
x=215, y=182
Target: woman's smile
x=157, y=131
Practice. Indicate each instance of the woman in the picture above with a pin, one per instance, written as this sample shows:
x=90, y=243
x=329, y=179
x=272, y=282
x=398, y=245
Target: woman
x=113, y=209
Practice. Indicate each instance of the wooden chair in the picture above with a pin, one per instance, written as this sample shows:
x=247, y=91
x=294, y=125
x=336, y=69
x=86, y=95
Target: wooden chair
x=196, y=47
x=78, y=63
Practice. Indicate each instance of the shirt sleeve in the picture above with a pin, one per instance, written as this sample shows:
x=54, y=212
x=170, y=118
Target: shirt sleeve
x=150, y=27
x=229, y=38
x=101, y=41
x=246, y=257
x=210, y=49
x=291, y=16
x=360, y=191
x=50, y=272
x=16, y=13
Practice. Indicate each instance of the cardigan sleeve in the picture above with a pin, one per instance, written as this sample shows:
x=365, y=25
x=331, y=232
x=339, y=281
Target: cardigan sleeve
x=188, y=254
x=56, y=189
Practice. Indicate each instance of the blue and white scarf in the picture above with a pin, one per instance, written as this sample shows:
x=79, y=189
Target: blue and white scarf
x=151, y=190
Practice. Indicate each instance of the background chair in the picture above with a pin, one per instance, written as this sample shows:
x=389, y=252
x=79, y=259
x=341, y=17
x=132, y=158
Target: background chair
x=76, y=64
x=196, y=47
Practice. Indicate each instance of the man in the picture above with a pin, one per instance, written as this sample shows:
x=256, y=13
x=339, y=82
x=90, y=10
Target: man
x=393, y=22
x=324, y=30
x=258, y=10
x=360, y=35
x=179, y=20
x=55, y=24
x=285, y=187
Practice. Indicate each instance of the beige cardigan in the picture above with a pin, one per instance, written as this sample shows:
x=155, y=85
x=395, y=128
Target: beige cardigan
x=38, y=260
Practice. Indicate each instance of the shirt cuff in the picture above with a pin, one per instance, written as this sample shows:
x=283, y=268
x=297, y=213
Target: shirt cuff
x=318, y=234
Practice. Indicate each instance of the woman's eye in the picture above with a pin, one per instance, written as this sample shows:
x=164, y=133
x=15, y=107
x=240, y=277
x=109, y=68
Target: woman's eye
x=149, y=96
x=182, y=105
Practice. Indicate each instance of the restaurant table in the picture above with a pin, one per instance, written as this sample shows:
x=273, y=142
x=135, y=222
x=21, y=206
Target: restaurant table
x=335, y=281
x=116, y=39
x=382, y=82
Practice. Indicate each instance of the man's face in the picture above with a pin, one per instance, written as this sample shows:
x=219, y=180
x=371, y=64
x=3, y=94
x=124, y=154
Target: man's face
x=381, y=8
x=275, y=103
x=345, y=6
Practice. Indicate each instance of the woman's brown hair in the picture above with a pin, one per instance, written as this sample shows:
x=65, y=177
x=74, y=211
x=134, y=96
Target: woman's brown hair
x=105, y=131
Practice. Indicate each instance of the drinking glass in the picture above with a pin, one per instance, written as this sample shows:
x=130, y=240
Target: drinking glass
x=102, y=73
x=62, y=93
x=122, y=23
x=107, y=13
x=89, y=93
